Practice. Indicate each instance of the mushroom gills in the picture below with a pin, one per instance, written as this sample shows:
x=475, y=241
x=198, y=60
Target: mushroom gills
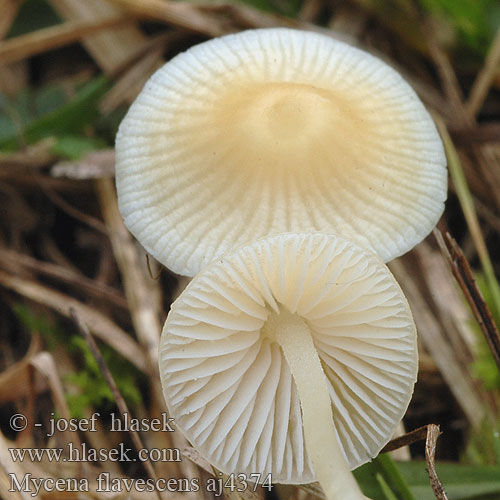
x=314, y=304
x=294, y=337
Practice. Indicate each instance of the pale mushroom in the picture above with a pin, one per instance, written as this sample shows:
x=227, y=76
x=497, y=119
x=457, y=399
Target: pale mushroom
x=294, y=356
x=271, y=131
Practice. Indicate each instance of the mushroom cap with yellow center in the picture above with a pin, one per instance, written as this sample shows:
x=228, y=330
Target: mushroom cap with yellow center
x=276, y=130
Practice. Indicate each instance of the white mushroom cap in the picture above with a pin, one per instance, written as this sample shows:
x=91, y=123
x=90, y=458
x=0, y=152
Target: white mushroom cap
x=227, y=374
x=271, y=131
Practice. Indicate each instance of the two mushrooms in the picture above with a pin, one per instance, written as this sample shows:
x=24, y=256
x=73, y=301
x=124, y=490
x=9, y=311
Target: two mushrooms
x=282, y=168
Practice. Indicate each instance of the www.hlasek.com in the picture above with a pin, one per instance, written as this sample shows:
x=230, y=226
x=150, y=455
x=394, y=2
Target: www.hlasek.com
x=84, y=453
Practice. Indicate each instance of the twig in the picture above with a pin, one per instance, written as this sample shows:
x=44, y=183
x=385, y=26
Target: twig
x=463, y=274
x=405, y=440
x=120, y=402
x=430, y=450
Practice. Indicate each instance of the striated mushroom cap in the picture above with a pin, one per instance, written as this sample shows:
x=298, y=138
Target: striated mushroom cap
x=276, y=130
x=225, y=378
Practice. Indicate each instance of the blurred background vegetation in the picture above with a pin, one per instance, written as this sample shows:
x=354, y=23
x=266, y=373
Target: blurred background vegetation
x=69, y=69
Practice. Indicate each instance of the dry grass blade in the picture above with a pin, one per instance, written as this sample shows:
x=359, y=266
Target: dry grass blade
x=211, y=20
x=145, y=314
x=463, y=274
x=129, y=84
x=430, y=451
x=22, y=371
x=33, y=157
x=9, y=9
x=64, y=274
x=101, y=325
x=109, y=48
x=313, y=489
x=215, y=19
x=438, y=345
x=143, y=296
x=453, y=313
x=120, y=402
x=485, y=78
x=183, y=15
x=14, y=381
x=54, y=37
x=45, y=364
x=243, y=17
x=150, y=271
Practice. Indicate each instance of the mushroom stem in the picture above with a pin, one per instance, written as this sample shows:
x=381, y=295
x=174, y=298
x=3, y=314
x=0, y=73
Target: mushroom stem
x=329, y=464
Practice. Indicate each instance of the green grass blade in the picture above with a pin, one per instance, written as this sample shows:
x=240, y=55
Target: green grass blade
x=388, y=493
x=395, y=480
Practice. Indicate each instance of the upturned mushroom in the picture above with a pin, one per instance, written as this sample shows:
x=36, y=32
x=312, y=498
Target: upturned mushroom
x=276, y=130
x=294, y=356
